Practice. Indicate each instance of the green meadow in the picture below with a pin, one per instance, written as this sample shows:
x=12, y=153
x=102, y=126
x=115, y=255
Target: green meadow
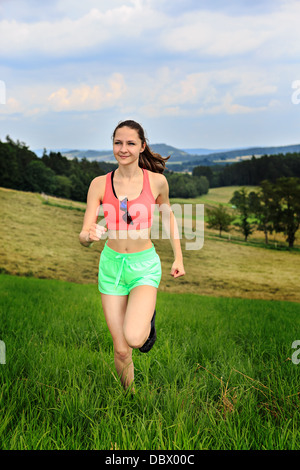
x=221, y=376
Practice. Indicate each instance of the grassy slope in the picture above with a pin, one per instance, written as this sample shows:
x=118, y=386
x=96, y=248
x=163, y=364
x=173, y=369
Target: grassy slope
x=42, y=240
x=219, y=376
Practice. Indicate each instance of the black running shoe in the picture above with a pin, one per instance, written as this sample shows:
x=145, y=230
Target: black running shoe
x=152, y=337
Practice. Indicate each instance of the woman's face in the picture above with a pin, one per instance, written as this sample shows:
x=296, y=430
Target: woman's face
x=127, y=145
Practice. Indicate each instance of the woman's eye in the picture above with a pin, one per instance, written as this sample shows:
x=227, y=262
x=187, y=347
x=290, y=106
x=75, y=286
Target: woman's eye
x=120, y=143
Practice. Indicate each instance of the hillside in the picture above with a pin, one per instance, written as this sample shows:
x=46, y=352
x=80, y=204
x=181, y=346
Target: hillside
x=107, y=155
x=242, y=154
x=43, y=243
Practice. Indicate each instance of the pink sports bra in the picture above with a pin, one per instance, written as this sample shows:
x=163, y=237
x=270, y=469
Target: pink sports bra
x=137, y=214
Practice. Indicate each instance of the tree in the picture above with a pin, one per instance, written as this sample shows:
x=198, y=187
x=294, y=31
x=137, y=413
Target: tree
x=63, y=187
x=219, y=218
x=40, y=178
x=14, y=158
x=202, y=185
x=204, y=171
x=10, y=175
x=265, y=206
x=276, y=207
x=241, y=201
x=78, y=188
x=186, y=186
x=59, y=164
x=288, y=190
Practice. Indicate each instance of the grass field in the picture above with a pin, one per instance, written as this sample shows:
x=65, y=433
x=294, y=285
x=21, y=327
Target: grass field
x=220, y=375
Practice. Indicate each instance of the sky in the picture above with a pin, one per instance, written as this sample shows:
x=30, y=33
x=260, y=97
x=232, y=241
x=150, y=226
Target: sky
x=194, y=73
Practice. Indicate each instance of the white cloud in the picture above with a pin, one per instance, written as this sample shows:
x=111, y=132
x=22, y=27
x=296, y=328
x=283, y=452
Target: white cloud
x=89, y=98
x=89, y=27
x=228, y=91
x=66, y=36
x=214, y=34
x=166, y=92
x=11, y=106
x=228, y=106
x=148, y=58
x=54, y=39
x=219, y=34
x=33, y=11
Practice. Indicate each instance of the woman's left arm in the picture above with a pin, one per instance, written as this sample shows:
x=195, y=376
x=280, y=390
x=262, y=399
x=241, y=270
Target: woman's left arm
x=170, y=226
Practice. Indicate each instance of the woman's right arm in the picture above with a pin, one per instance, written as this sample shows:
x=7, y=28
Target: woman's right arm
x=88, y=232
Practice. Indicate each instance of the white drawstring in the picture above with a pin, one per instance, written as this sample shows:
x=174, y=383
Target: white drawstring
x=120, y=270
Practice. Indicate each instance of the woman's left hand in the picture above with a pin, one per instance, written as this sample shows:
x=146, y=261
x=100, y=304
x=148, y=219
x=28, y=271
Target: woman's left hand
x=177, y=269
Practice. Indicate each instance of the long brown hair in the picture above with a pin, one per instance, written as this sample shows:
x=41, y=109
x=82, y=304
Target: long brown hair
x=148, y=159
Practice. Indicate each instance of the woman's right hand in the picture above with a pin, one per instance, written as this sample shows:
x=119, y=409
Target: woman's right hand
x=95, y=233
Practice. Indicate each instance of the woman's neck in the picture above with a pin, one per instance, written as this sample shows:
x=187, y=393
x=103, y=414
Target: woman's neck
x=129, y=172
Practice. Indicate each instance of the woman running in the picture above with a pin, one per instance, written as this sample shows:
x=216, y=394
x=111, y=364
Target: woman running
x=129, y=267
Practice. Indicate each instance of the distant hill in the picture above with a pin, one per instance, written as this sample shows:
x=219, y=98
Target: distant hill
x=107, y=155
x=202, y=151
x=241, y=154
x=98, y=155
x=231, y=156
x=188, y=158
x=188, y=161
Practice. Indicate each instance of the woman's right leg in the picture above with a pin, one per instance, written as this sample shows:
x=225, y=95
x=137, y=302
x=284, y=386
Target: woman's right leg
x=114, y=308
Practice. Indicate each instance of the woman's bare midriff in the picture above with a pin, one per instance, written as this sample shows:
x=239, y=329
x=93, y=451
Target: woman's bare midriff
x=130, y=241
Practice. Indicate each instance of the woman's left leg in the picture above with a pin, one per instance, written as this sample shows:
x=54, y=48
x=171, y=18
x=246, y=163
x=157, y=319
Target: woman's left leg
x=139, y=312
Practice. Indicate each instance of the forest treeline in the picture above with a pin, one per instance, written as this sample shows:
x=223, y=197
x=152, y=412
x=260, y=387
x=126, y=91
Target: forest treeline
x=55, y=175
x=276, y=205
x=272, y=208
x=251, y=172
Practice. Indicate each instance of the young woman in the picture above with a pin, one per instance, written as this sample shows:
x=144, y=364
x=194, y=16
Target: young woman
x=130, y=268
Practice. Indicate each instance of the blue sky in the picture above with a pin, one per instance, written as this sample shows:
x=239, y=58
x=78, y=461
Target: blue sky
x=195, y=73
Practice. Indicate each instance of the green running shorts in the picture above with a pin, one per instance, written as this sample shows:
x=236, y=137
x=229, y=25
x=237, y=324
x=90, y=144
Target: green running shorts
x=121, y=272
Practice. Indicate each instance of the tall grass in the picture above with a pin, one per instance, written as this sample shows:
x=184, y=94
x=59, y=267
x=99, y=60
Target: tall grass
x=218, y=377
